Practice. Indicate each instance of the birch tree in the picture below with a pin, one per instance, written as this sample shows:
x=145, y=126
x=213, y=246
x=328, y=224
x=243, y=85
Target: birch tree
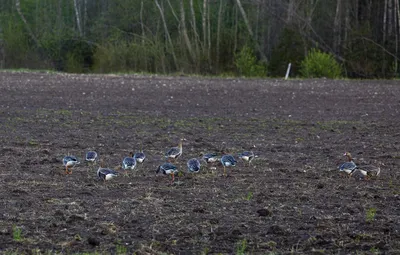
x=78, y=19
x=250, y=31
x=166, y=31
x=185, y=33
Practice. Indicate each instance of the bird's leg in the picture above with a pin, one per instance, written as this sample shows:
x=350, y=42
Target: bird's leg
x=173, y=178
x=224, y=171
x=66, y=169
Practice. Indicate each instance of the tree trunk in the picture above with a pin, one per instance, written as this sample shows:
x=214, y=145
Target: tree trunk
x=337, y=27
x=384, y=29
x=173, y=11
x=204, y=20
x=167, y=34
x=196, y=37
x=220, y=10
x=85, y=17
x=141, y=22
x=77, y=16
x=250, y=31
x=59, y=17
x=397, y=34
x=235, y=43
x=384, y=23
x=390, y=18
x=185, y=33
x=28, y=29
x=145, y=59
x=209, y=36
x=346, y=21
x=290, y=12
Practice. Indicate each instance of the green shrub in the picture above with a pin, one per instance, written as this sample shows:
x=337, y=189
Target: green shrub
x=318, y=64
x=247, y=64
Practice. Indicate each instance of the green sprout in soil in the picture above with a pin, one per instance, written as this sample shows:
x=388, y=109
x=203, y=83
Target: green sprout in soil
x=33, y=143
x=17, y=233
x=272, y=245
x=121, y=249
x=241, y=247
x=375, y=250
x=205, y=251
x=371, y=213
x=249, y=196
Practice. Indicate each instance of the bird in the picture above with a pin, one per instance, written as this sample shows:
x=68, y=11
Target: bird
x=69, y=161
x=140, y=157
x=370, y=171
x=348, y=167
x=168, y=169
x=105, y=173
x=228, y=160
x=129, y=163
x=174, y=152
x=91, y=156
x=247, y=156
x=210, y=158
x=193, y=165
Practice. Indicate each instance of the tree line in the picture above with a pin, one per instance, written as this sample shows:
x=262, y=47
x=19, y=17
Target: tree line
x=216, y=37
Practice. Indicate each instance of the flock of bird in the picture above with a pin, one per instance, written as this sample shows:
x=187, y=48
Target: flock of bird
x=167, y=168
x=194, y=165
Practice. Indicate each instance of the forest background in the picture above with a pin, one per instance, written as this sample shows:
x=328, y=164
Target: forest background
x=253, y=38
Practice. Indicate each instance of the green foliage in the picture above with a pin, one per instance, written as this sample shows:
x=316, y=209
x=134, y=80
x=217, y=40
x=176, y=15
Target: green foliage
x=16, y=43
x=318, y=64
x=247, y=64
x=288, y=50
x=370, y=214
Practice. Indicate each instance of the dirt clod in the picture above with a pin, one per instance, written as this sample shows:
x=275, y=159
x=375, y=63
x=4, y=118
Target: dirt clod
x=264, y=212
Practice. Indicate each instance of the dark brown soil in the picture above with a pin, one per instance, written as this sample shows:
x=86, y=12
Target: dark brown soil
x=291, y=199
